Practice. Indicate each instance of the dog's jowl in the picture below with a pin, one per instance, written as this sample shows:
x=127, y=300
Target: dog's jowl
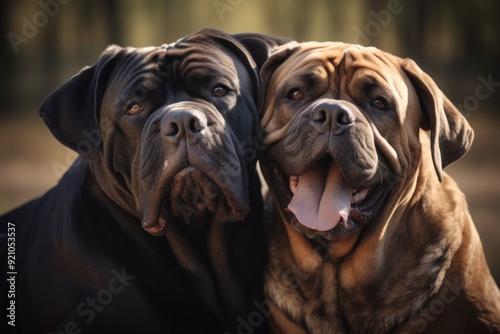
x=369, y=234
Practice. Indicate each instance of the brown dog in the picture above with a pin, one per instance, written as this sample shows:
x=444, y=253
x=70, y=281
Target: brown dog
x=370, y=235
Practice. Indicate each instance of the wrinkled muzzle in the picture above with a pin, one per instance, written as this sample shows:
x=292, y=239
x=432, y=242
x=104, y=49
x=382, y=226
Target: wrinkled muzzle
x=324, y=170
x=190, y=166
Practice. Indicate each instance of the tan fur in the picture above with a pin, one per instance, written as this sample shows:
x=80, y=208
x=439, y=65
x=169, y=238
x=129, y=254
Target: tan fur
x=419, y=266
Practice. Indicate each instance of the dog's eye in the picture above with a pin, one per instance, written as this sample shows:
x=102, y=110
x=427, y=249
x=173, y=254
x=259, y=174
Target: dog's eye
x=295, y=94
x=134, y=109
x=379, y=103
x=219, y=91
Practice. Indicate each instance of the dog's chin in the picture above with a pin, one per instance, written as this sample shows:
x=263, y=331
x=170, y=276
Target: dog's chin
x=361, y=206
x=190, y=200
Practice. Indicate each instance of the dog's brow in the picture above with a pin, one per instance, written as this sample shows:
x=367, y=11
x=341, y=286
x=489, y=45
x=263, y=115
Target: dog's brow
x=309, y=78
x=368, y=83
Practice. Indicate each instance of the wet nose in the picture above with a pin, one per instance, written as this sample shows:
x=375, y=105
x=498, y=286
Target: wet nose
x=331, y=116
x=184, y=123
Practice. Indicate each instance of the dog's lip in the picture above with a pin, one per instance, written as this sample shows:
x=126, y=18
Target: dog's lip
x=157, y=225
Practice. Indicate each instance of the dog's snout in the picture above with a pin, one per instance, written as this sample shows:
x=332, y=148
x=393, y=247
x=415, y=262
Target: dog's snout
x=331, y=117
x=184, y=123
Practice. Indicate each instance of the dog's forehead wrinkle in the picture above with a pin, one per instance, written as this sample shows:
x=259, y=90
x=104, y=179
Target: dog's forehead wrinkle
x=324, y=50
x=133, y=77
x=192, y=59
x=372, y=60
x=205, y=69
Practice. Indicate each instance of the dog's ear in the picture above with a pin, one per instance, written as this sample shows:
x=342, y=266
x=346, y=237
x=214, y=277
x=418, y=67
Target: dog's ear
x=71, y=112
x=260, y=46
x=272, y=63
x=451, y=134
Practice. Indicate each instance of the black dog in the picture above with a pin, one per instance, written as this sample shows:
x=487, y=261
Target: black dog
x=164, y=135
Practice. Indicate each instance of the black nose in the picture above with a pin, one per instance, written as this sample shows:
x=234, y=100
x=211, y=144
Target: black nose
x=181, y=123
x=331, y=116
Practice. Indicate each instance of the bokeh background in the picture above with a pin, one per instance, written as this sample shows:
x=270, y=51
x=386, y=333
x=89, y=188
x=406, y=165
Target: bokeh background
x=46, y=41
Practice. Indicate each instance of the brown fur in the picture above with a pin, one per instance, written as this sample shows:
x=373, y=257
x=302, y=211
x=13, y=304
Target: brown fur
x=418, y=265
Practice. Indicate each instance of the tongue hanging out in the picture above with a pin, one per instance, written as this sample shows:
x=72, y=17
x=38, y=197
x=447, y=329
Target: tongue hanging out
x=322, y=197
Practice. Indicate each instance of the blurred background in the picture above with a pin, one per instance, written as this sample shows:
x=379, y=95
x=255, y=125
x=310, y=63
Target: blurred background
x=45, y=42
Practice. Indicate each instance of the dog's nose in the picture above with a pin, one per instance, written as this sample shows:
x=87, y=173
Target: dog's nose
x=328, y=116
x=182, y=123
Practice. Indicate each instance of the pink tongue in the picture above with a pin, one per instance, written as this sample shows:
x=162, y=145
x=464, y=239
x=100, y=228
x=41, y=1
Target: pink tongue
x=322, y=198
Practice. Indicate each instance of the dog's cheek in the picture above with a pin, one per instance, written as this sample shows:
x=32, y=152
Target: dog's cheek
x=243, y=118
x=281, y=122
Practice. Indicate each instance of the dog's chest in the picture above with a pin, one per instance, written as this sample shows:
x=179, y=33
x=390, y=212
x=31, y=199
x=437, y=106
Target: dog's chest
x=307, y=298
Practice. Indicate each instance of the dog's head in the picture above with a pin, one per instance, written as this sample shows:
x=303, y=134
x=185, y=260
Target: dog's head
x=167, y=131
x=342, y=137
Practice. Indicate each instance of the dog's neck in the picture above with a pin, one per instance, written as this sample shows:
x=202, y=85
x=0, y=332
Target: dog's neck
x=387, y=264
x=401, y=261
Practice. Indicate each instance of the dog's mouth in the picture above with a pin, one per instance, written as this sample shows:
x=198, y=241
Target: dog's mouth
x=321, y=202
x=192, y=197
x=190, y=170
